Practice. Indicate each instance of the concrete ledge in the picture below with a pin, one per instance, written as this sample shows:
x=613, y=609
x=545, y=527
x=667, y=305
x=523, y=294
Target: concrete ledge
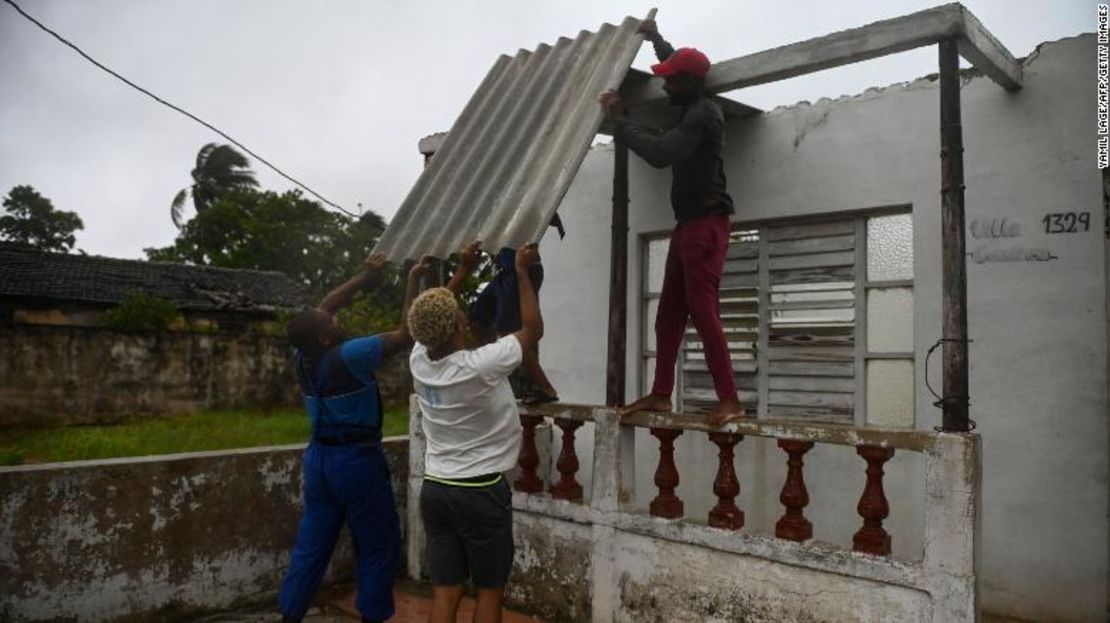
x=544, y=504
x=839, y=434
x=178, y=456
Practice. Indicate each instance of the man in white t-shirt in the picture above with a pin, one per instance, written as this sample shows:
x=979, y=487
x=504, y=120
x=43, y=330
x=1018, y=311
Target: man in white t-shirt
x=472, y=427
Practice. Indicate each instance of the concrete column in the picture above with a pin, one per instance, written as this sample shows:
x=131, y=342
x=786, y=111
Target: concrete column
x=614, y=469
x=414, y=544
x=613, y=490
x=953, y=468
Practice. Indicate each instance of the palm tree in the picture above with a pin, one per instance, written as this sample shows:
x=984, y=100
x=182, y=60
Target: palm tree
x=219, y=169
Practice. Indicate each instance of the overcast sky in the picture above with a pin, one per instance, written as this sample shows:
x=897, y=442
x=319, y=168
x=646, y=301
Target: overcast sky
x=337, y=93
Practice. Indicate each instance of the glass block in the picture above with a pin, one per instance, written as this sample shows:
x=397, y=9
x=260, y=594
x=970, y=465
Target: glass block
x=657, y=263
x=890, y=247
x=890, y=320
x=649, y=323
x=890, y=399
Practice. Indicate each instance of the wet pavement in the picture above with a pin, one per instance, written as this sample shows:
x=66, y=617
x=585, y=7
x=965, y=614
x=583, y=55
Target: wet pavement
x=338, y=606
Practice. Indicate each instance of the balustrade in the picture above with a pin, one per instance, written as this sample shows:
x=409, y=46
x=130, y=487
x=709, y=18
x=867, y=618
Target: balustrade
x=726, y=486
x=666, y=504
x=568, y=487
x=872, y=445
x=950, y=463
x=873, y=507
x=527, y=480
x=793, y=524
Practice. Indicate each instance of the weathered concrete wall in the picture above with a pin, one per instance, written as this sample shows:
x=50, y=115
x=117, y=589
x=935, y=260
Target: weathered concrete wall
x=52, y=376
x=155, y=538
x=553, y=569
x=664, y=581
x=1039, y=357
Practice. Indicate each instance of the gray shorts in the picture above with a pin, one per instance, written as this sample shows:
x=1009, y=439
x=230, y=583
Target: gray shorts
x=469, y=531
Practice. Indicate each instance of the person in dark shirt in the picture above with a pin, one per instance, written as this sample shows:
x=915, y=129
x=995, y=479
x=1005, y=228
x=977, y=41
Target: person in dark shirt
x=699, y=242
x=346, y=479
x=495, y=313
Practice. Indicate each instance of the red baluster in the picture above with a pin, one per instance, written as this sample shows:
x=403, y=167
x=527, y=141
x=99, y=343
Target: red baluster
x=873, y=507
x=726, y=514
x=567, y=488
x=666, y=504
x=527, y=480
x=793, y=524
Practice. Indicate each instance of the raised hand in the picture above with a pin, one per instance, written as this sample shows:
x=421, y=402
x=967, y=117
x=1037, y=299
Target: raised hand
x=648, y=28
x=375, y=262
x=421, y=268
x=526, y=255
x=611, y=104
x=470, y=256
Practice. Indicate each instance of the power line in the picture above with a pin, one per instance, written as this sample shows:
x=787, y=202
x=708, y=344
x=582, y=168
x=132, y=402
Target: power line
x=179, y=109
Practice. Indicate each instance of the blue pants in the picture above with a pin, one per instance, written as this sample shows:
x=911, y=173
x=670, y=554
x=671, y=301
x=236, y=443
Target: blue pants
x=348, y=483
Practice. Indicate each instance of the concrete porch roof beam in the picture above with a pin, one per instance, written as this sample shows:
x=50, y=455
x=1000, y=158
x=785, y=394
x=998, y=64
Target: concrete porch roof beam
x=987, y=53
x=928, y=27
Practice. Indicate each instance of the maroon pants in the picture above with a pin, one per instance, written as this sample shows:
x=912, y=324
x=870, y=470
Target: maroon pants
x=691, y=282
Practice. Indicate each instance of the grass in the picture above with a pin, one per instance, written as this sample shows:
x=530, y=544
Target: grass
x=211, y=430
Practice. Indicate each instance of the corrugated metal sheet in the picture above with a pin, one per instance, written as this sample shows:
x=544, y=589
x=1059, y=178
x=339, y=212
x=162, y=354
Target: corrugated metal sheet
x=513, y=152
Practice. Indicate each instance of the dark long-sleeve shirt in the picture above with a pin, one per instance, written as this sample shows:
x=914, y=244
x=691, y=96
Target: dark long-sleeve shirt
x=692, y=149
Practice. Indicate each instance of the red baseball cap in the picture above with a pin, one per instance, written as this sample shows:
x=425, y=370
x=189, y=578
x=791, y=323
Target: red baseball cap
x=683, y=61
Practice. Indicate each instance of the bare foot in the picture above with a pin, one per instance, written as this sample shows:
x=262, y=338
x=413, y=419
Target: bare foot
x=541, y=396
x=725, y=412
x=651, y=402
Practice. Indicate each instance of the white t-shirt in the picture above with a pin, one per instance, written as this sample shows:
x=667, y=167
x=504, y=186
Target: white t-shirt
x=471, y=421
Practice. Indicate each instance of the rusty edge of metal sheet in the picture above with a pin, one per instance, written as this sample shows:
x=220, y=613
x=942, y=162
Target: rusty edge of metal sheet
x=515, y=148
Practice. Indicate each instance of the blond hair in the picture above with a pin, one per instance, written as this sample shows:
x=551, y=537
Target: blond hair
x=432, y=317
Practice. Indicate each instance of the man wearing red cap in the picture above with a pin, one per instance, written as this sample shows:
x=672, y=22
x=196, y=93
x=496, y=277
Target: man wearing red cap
x=702, y=207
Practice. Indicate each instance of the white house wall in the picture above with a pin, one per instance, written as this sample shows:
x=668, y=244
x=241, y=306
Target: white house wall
x=1039, y=356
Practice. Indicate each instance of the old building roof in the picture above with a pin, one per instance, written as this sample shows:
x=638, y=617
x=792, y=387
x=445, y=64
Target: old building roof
x=30, y=273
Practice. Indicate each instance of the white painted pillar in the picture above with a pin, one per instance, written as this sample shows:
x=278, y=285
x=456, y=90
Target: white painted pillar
x=414, y=541
x=613, y=490
x=953, y=526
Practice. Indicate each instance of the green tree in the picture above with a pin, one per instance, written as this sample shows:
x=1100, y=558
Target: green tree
x=263, y=230
x=31, y=219
x=219, y=169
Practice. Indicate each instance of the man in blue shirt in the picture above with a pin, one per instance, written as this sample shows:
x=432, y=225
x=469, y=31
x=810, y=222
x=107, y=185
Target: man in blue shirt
x=346, y=478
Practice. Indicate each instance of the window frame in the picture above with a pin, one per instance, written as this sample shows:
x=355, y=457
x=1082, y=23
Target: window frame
x=861, y=289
